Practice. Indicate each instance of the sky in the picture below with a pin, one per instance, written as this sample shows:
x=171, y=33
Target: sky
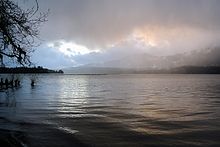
x=90, y=32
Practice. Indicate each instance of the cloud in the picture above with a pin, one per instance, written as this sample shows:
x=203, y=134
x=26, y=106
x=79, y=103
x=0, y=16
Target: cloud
x=88, y=31
x=51, y=58
x=97, y=24
x=69, y=48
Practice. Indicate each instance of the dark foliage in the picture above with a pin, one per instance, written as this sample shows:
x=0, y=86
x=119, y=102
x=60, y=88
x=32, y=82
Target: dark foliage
x=196, y=70
x=27, y=70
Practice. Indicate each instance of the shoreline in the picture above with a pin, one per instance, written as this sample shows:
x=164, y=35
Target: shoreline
x=36, y=135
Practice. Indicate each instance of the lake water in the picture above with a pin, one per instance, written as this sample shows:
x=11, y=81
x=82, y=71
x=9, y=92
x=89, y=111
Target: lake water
x=114, y=110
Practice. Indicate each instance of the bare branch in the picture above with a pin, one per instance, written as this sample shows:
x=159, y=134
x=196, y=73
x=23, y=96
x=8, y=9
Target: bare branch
x=18, y=30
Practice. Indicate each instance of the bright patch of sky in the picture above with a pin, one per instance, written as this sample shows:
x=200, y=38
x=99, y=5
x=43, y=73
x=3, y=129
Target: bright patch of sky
x=88, y=32
x=70, y=49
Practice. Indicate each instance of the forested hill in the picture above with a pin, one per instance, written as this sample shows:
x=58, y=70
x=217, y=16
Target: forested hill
x=176, y=70
x=28, y=70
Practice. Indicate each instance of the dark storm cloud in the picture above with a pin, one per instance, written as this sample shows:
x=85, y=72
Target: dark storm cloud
x=101, y=22
x=122, y=28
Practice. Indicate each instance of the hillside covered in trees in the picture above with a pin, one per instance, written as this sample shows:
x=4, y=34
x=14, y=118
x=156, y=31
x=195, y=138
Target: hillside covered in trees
x=38, y=69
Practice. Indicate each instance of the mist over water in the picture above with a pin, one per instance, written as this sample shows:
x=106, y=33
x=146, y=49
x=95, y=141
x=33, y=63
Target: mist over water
x=116, y=110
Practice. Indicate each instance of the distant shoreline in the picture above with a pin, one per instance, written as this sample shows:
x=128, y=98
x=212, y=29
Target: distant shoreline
x=107, y=71
x=27, y=70
x=110, y=70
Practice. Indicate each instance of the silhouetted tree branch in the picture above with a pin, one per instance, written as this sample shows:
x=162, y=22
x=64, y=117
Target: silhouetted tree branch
x=19, y=29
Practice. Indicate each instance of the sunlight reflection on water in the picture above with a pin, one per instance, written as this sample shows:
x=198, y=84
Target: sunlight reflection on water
x=97, y=105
